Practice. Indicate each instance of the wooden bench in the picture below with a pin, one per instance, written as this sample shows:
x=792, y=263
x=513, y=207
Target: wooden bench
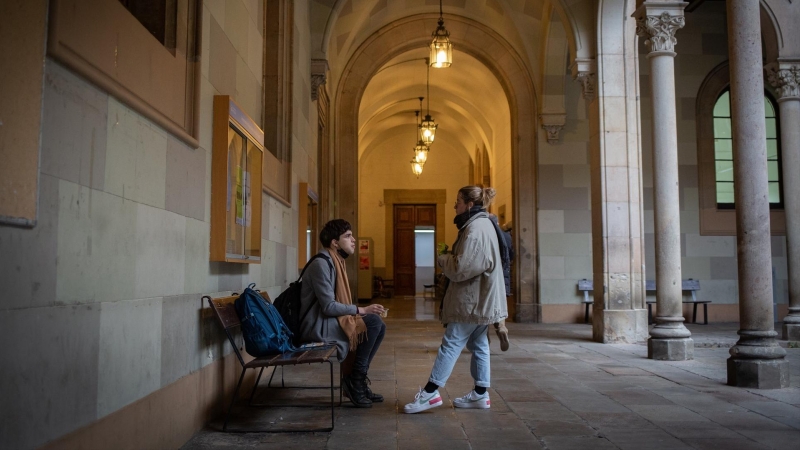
x=226, y=314
x=690, y=285
x=686, y=285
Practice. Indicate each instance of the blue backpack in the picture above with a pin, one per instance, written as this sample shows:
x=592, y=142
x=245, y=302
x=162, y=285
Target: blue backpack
x=262, y=327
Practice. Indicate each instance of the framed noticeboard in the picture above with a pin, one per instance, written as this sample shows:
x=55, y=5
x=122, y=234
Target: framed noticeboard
x=237, y=156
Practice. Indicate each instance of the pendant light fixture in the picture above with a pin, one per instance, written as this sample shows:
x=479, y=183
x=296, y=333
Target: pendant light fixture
x=441, y=47
x=420, y=150
x=416, y=168
x=427, y=129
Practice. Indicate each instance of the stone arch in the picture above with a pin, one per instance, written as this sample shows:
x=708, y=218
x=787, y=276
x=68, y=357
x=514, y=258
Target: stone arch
x=499, y=57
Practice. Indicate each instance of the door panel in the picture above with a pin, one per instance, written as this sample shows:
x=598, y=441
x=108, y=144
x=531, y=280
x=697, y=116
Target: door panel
x=406, y=218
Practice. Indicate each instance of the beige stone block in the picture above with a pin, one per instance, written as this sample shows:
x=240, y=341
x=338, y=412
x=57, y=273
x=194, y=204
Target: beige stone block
x=207, y=93
x=551, y=221
x=222, y=60
x=576, y=175
x=618, y=217
x=697, y=245
x=687, y=153
x=216, y=8
x=618, y=254
x=719, y=291
x=205, y=55
x=617, y=189
x=276, y=229
x=136, y=157
x=565, y=244
x=690, y=222
x=551, y=267
x=691, y=199
x=697, y=268
x=96, y=245
x=159, y=252
x=248, y=91
x=255, y=49
x=577, y=267
x=236, y=20
x=268, y=262
x=615, y=149
x=564, y=153
x=560, y=292
x=614, y=117
x=197, y=277
x=129, y=361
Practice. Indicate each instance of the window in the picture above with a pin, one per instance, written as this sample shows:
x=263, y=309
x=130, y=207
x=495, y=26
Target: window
x=723, y=153
x=715, y=161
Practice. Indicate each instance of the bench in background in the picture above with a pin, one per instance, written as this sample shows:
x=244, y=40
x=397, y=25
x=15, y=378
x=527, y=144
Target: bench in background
x=226, y=314
x=690, y=285
x=686, y=285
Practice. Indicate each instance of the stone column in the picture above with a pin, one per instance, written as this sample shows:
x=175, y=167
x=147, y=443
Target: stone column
x=757, y=361
x=657, y=22
x=611, y=92
x=785, y=77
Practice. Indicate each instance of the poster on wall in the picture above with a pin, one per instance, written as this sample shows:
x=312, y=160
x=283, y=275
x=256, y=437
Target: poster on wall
x=363, y=246
x=363, y=263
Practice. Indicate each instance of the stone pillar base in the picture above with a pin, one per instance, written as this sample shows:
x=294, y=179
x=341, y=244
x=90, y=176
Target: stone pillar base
x=528, y=313
x=758, y=373
x=670, y=349
x=619, y=326
x=791, y=332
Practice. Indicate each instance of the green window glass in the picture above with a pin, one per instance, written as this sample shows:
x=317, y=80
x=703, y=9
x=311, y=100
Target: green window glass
x=723, y=152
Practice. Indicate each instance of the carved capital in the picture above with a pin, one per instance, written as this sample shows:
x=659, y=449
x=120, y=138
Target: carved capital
x=553, y=123
x=588, y=81
x=659, y=31
x=319, y=73
x=785, y=78
x=553, y=132
x=584, y=71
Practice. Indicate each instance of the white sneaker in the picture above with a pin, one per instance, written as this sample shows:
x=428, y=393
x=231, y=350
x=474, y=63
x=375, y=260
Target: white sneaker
x=473, y=400
x=424, y=401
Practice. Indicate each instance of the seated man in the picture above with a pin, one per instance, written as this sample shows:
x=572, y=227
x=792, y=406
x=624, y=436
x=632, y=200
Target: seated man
x=332, y=316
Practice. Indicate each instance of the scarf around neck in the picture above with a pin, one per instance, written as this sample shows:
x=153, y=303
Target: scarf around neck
x=461, y=219
x=352, y=325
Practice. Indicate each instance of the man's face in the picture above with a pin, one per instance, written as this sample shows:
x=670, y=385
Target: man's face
x=347, y=242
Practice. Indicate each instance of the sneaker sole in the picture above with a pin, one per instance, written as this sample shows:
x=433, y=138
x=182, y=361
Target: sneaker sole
x=433, y=403
x=474, y=405
x=503, y=341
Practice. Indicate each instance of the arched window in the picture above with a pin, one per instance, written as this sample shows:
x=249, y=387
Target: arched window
x=717, y=204
x=723, y=152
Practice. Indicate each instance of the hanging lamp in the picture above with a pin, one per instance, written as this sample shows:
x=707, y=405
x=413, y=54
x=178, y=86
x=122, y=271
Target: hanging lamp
x=416, y=168
x=427, y=129
x=441, y=47
x=420, y=150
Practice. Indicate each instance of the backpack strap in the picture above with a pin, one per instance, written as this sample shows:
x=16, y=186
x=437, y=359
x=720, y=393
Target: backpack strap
x=330, y=265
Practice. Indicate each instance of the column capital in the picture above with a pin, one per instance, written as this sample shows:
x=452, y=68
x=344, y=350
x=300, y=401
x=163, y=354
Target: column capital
x=584, y=70
x=553, y=123
x=658, y=22
x=319, y=73
x=784, y=75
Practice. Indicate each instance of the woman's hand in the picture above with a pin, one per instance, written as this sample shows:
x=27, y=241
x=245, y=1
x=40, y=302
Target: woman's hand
x=371, y=309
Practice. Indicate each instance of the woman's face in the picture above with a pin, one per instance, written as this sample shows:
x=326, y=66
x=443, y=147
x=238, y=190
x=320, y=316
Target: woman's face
x=462, y=207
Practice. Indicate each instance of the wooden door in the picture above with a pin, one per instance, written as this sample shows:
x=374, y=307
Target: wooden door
x=406, y=219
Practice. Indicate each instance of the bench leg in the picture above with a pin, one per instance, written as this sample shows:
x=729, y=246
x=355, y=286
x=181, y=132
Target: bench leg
x=649, y=313
x=330, y=365
x=586, y=313
x=233, y=400
x=705, y=313
x=255, y=385
x=694, y=313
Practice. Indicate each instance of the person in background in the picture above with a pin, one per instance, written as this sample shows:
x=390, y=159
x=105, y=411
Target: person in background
x=507, y=255
x=475, y=298
x=332, y=317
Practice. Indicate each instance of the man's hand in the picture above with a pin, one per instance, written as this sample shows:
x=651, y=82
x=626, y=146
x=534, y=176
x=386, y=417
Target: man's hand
x=371, y=309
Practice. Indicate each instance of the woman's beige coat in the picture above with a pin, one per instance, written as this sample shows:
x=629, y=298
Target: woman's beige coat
x=476, y=293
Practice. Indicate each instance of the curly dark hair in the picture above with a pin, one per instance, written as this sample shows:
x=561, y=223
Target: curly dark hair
x=332, y=230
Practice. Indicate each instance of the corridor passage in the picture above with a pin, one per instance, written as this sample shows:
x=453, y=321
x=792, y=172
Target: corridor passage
x=554, y=389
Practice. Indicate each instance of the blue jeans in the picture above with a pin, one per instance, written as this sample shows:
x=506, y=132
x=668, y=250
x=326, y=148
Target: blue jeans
x=455, y=337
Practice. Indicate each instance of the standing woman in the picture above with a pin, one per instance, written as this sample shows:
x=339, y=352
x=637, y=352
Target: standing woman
x=475, y=297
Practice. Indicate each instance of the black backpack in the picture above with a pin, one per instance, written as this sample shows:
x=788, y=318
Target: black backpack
x=288, y=303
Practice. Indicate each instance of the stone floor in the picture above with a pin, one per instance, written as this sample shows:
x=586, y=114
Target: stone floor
x=553, y=389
